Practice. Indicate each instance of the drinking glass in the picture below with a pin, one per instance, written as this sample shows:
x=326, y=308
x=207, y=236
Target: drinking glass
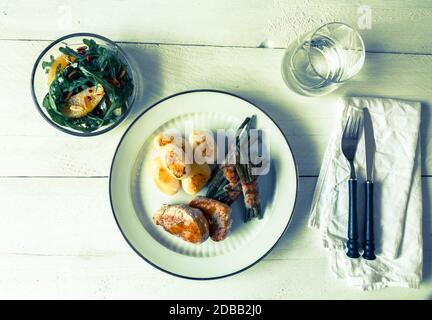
x=319, y=62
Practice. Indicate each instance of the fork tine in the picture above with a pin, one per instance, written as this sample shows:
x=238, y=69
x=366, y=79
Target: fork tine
x=352, y=128
x=352, y=125
x=346, y=129
x=357, y=127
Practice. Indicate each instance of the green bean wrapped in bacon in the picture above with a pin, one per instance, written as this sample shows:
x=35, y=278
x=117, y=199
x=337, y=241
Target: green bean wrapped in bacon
x=233, y=178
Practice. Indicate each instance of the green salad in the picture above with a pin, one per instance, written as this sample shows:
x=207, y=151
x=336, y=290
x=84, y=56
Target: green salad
x=88, y=87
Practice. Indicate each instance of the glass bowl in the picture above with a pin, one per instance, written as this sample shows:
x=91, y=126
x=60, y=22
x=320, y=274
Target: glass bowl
x=40, y=87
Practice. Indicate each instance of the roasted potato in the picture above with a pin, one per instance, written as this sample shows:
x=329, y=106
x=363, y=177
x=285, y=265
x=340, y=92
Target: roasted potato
x=164, y=138
x=198, y=177
x=162, y=179
x=175, y=161
x=203, y=146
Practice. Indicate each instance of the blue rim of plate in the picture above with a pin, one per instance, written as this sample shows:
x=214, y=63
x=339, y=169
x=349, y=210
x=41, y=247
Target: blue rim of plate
x=111, y=201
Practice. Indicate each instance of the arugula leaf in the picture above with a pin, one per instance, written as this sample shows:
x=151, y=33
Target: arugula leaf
x=69, y=52
x=47, y=64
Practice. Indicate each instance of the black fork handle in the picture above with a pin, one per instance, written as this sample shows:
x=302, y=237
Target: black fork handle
x=369, y=248
x=352, y=243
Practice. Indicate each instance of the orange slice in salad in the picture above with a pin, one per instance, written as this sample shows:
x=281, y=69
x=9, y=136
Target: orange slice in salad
x=62, y=60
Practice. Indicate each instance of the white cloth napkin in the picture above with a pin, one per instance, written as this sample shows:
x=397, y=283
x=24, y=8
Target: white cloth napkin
x=397, y=196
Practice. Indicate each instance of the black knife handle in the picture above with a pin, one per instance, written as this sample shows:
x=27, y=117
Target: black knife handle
x=369, y=224
x=352, y=243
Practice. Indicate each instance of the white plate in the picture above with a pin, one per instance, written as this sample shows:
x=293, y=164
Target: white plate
x=134, y=198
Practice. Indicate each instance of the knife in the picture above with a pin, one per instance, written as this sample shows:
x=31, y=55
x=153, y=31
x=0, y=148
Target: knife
x=369, y=246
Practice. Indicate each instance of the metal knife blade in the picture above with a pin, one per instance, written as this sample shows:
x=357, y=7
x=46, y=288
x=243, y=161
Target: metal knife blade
x=369, y=144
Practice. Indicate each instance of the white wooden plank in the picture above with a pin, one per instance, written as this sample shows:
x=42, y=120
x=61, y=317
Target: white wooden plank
x=397, y=26
x=117, y=277
x=58, y=239
x=31, y=147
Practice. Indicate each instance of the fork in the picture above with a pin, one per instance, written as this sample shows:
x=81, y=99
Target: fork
x=349, y=146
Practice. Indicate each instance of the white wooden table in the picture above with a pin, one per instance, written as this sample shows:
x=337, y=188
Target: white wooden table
x=58, y=238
